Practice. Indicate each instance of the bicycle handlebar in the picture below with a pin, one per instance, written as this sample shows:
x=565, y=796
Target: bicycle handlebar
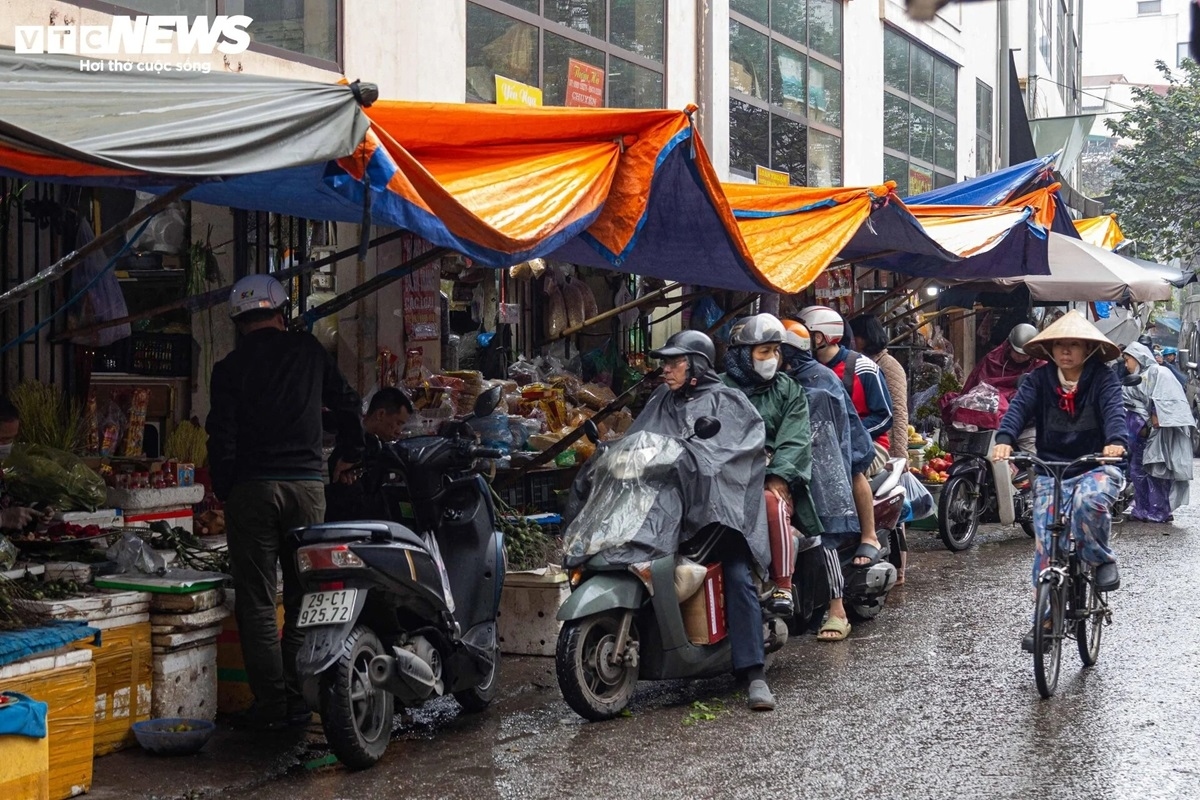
x=1060, y=467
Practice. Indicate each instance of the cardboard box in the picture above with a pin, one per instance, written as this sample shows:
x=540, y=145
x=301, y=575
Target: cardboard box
x=68, y=686
x=704, y=612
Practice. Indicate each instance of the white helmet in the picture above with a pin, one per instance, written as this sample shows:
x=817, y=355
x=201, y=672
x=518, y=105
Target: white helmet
x=824, y=320
x=255, y=292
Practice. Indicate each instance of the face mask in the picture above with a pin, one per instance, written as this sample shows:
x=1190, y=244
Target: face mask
x=5, y=450
x=766, y=369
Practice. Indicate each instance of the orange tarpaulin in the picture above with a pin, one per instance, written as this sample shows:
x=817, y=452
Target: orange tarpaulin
x=1101, y=231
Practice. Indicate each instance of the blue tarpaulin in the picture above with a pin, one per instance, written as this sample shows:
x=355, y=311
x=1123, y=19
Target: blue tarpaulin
x=991, y=189
x=15, y=645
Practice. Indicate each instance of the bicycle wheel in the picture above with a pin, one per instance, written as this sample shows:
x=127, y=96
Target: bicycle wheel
x=1047, y=639
x=1090, y=628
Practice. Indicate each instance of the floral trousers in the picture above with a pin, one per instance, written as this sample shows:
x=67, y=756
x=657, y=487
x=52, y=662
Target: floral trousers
x=1091, y=495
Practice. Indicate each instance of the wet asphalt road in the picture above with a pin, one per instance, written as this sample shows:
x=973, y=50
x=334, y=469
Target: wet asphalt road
x=934, y=699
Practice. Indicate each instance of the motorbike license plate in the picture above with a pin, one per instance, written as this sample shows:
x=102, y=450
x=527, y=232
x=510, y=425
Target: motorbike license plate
x=326, y=608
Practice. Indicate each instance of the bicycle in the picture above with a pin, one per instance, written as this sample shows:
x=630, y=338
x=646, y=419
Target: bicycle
x=1066, y=588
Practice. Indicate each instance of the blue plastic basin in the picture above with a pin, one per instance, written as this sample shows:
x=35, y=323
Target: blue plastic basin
x=153, y=735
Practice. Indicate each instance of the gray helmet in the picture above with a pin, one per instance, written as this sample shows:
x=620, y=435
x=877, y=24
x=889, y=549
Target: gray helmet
x=1145, y=339
x=688, y=343
x=756, y=330
x=1020, y=336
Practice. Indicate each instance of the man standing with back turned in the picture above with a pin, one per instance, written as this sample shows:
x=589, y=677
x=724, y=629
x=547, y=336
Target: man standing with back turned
x=264, y=448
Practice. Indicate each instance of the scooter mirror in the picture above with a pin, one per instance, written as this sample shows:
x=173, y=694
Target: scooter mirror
x=1131, y=380
x=486, y=403
x=1192, y=365
x=707, y=427
x=591, y=432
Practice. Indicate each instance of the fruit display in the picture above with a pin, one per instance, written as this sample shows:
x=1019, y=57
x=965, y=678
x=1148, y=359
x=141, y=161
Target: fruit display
x=60, y=532
x=915, y=439
x=936, y=469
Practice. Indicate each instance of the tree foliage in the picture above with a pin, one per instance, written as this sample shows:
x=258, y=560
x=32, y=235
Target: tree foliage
x=1156, y=192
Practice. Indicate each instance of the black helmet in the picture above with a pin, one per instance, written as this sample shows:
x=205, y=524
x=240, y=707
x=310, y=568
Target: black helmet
x=1145, y=339
x=688, y=343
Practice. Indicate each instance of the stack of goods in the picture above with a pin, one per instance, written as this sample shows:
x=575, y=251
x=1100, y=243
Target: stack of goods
x=184, y=630
x=115, y=429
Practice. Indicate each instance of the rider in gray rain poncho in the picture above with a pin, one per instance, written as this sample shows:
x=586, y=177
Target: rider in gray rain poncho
x=717, y=481
x=1160, y=435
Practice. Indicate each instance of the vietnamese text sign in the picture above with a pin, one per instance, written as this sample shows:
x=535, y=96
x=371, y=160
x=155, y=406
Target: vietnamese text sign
x=422, y=304
x=585, y=85
x=771, y=177
x=515, y=93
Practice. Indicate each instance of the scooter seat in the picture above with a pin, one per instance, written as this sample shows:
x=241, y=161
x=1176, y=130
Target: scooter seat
x=375, y=530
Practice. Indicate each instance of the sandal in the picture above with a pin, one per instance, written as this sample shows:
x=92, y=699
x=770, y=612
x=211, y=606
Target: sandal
x=867, y=551
x=835, y=629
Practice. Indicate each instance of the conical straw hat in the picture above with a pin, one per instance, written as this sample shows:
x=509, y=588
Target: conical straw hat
x=1071, y=325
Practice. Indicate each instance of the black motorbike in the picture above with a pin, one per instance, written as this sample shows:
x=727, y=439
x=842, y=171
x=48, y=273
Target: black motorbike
x=403, y=609
x=980, y=490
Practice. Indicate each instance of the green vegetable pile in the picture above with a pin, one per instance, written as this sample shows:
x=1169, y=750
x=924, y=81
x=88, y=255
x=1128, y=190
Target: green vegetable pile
x=190, y=551
x=525, y=543
x=45, y=477
x=13, y=615
x=49, y=590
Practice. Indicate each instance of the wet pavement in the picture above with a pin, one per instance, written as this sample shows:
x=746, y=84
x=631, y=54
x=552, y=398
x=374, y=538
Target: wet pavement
x=934, y=699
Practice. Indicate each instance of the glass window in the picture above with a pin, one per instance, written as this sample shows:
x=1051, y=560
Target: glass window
x=895, y=60
x=824, y=93
x=749, y=136
x=789, y=148
x=1181, y=53
x=637, y=26
x=585, y=16
x=940, y=180
x=824, y=159
x=788, y=77
x=983, y=155
x=896, y=169
x=983, y=107
x=631, y=86
x=921, y=87
x=895, y=123
x=944, y=144
x=921, y=134
x=747, y=60
x=554, y=71
x=825, y=27
x=945, y=92
x=309, y=28
x=790, y=18
x=920, y=123
x=624, y=38
x=498, y=45
x=754, y=9
x=189, y=8
x=1149, y=7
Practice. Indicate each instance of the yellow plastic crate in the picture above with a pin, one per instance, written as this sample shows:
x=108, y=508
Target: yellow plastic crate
x=70, y=692
x=124, y=679
x=25, y=768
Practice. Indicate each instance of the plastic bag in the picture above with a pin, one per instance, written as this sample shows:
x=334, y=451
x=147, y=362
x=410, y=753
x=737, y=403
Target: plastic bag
x=574, y=302
x=918, y=497
x=589, y=300
x=982, y=407
x=132, y=555
x=556, y=311
x=494, y=431
x=624, y=296
x=46, y=477
x=595, y=396
x=8, y=553
x=167, y=229
x=524, y=372
x=105, y=300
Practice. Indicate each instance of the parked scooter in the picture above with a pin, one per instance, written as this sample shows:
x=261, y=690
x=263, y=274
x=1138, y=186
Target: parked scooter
x=623, y=622
x=865, y=588
x=980, y=490
x=401, y=610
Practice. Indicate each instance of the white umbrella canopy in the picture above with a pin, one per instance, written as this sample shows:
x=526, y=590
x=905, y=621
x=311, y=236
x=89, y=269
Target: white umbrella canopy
x=1080, y=271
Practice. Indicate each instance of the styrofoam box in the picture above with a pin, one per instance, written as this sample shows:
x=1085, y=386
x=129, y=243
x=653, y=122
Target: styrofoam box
x=63, y=657
x=104, y=517
x=528, y=605
x=185, y=683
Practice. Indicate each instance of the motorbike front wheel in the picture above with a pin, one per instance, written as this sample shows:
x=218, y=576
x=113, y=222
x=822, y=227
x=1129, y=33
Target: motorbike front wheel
x=593, y=686
x=958, y=513
x=356, y=716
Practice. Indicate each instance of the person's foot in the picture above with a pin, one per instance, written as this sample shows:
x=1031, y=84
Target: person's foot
x=865, y=559
x=256, y=719
x=760, y=697
x=780, y=603
x=899, y=578
x=1027, y=642
x=1108, y=578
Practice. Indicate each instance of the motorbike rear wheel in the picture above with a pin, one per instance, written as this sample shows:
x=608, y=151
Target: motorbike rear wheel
x=958, y=513
x=594, y=688
x=356, y=716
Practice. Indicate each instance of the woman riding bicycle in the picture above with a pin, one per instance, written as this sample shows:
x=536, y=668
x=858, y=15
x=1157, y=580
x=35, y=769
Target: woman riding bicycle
x=1076, y=406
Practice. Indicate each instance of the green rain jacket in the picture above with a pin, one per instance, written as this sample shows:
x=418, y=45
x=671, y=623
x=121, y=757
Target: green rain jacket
x=784, y=408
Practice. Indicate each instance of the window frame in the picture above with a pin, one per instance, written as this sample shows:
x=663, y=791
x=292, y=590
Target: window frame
x=931, y=107
x=546, y=25
x=988, y=134
x=218, y=8
x=1181, y=53
x=776, y=109
x=1152, y=12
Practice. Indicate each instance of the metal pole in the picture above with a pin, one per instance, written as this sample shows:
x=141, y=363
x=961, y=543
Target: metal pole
x=1000, y=132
